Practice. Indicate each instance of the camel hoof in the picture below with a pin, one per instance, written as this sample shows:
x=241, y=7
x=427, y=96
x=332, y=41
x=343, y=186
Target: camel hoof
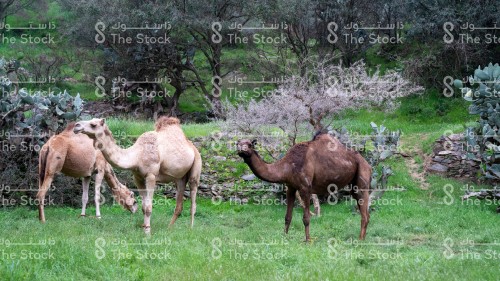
x=83, y=215
x=98, y=217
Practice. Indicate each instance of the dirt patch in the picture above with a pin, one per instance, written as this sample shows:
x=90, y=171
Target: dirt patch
x=416, y=171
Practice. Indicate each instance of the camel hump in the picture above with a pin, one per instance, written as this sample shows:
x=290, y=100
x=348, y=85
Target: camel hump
x=320, y=133
x=165, y=121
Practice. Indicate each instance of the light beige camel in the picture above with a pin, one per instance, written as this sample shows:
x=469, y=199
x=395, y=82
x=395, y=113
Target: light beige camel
x=74, y=155
x=164, y=155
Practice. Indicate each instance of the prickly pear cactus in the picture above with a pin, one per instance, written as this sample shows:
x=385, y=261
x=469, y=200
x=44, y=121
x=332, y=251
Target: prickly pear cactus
x=35, y=113
x=483, y=90
x=27, y=119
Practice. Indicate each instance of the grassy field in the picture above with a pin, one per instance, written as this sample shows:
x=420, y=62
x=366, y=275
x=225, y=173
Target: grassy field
x=418, y=231
x=413, y=234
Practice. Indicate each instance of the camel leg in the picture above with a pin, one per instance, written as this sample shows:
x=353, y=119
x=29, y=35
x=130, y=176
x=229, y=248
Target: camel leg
x=143, y=192
x=179, y=200
x=85, y=194
x=317, y=208
x=301, y=202
x=97, y=197
x=362, y=196
x=147, y=204
x=42, y=190
x=193, y=186
x=290, y=200
x=307, y=214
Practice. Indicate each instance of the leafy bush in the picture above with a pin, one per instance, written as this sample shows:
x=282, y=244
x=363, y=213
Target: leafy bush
x=28, y=119
x=379, y=146
x=484, y=93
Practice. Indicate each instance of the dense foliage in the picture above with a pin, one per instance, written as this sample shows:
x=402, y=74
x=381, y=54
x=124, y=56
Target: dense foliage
x=28, y=119
x=484, y=140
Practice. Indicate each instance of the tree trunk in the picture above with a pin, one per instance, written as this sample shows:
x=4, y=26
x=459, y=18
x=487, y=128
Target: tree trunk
x=173, y=109
x=217, y=73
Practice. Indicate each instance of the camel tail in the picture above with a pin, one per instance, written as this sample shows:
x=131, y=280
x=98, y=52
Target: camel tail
x=195, y=172
x=194, y=181
x=42, y=164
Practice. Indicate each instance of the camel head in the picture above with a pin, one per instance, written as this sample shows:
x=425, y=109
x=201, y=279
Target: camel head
x=126, y=198
x=245, y=148
x=91, y=128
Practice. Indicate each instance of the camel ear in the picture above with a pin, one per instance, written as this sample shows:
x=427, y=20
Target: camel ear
x=102, y=121
x=254, y=143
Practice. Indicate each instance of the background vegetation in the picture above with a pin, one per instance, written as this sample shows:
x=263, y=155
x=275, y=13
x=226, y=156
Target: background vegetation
x=217, y=85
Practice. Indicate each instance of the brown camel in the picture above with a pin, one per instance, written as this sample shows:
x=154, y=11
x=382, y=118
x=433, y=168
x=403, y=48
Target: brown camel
x=163, y=155
x=314, y=167
x=74, y=155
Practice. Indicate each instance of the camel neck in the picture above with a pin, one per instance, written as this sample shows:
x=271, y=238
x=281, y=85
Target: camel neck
x=271, y=172
x=114, y=154
x=111, y=180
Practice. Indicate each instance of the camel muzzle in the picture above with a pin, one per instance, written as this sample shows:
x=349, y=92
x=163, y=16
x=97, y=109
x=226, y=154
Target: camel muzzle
x=134, y=208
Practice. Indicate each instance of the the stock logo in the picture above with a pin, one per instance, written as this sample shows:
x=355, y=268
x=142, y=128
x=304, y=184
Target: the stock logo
x=99, y=28
x=216, y=28
x=332, y=28
x=448, y=90
x=333, y=192
x=99, y=244
x=99, y=83
x=448, y=27
x=468, y=33
x=332, y=248
x=216, y=248
x=448, y=190
x=216, y=90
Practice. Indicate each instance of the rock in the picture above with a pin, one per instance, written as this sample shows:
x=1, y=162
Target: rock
x=249, y=177
x=220, y=158
x=456, y=137
x=204, y=187
x=438, y=159
x=450, y=158
x=438, y=168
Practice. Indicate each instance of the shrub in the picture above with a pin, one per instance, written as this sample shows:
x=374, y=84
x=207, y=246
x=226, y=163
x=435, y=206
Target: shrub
x=28, y=119
x=484, y=94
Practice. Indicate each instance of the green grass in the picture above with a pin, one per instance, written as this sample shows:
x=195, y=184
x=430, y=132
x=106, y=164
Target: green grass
x=133, y=128
x=414, y=234
x=406, y=240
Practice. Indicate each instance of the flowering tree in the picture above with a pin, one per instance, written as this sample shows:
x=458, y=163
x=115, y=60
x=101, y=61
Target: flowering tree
x=301, y=103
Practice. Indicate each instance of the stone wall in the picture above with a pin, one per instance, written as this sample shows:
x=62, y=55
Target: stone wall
x=450, y=158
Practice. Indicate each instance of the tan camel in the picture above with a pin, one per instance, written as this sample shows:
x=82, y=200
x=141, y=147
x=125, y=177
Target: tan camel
x=164, y=155
x=315, y=167
x=74, y=155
